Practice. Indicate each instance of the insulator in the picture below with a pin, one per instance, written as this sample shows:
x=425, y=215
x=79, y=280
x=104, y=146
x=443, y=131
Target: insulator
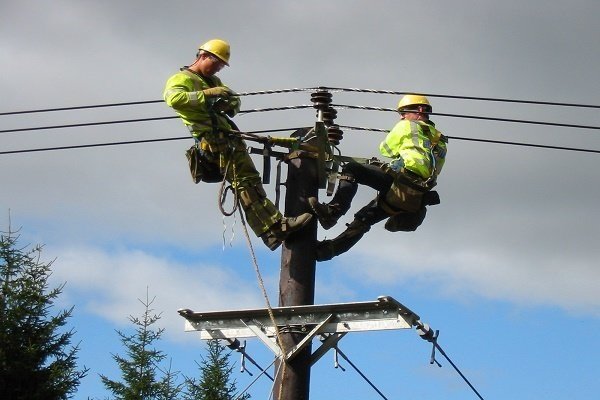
x=321, y=99
x=426, y=332
x=234, y=344
x=334, y=134
x=329, y=115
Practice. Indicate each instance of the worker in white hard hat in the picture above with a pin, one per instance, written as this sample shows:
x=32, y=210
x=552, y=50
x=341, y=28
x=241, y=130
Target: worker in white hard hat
x=418, y=151
x=205, y=106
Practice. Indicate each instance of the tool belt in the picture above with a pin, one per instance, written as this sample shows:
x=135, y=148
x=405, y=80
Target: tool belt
x=406, y=192
x=202, y=167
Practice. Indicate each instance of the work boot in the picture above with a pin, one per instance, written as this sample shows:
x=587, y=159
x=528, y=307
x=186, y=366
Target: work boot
x=283, y=229
x=327, y=215
x=290, y=225
x=327, y=249
x=270, y=240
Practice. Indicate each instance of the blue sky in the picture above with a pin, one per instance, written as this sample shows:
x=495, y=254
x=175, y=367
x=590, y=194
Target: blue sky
x=505, y=267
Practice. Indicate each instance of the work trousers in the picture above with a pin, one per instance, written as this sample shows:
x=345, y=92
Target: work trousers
x=355, y=174
x=236, y=164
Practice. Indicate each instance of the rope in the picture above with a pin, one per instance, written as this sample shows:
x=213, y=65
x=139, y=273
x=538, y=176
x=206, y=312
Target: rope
x=266, y=297
x=223, y=189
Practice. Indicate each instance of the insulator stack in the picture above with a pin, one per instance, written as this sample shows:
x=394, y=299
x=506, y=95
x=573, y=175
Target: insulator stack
x=334, y=134
x=329, y=115
x=321, y=100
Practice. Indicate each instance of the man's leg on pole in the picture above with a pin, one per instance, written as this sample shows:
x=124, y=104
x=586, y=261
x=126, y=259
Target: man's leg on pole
x=363, y=220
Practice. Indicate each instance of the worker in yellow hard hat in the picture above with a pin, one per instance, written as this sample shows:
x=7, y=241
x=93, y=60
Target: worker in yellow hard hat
x=205, y=105
x=418, y=152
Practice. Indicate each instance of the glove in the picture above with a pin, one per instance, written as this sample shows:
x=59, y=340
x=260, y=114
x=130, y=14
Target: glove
x=229, y=106
x=234, y=106
x=219, y=91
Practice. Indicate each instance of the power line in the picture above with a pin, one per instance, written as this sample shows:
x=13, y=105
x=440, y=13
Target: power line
x=43, y=110
x=341, y=353
x=461, y=97
x=276, y=91
x=128, y=142
x=426, y=333
x=81, y=146
x=357, y=128
x=126, y=121
x=521, y=121
x=123, y=121
x=292, y=129
x=303, y=106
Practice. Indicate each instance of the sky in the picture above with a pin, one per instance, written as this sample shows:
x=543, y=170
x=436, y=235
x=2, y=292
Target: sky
x=505, y=267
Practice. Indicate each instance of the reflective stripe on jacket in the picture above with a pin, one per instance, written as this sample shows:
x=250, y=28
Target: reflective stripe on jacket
x=418, y=146
x=183, y=92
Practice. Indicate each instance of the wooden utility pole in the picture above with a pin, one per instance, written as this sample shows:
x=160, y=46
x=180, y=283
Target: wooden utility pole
x=297, y=278
x=306, y=174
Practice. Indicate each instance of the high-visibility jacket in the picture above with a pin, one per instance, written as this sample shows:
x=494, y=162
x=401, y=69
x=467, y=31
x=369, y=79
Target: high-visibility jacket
x=417, y=146
x=183, y=92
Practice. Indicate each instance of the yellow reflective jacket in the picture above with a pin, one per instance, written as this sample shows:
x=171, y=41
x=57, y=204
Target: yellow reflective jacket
x=183, y=92
x=417, y=146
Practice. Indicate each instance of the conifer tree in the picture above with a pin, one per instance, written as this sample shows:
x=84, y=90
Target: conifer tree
x=37, y=360
x=140, y=369
x=215, y=381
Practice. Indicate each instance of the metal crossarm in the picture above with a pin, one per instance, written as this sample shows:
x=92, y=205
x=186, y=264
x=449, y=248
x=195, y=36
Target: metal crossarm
x=384, y=313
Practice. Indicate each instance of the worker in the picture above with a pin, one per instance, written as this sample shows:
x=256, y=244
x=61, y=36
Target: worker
x=418, y=152
x=205, y=105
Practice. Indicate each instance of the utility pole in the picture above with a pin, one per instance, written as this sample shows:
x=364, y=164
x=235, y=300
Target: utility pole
x=297, y=276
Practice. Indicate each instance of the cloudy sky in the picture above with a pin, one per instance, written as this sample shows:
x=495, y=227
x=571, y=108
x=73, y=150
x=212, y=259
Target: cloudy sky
x=505, y=267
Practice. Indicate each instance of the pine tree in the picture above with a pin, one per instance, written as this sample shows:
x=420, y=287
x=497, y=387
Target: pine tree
x=140, y=368
x=36, y=358
x=215, y=377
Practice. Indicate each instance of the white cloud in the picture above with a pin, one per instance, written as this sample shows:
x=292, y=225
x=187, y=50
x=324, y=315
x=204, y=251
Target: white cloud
x=110, y=285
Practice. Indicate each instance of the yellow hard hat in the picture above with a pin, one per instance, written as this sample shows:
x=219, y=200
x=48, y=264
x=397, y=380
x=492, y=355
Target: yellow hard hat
x=219, y=48
x=411, y=100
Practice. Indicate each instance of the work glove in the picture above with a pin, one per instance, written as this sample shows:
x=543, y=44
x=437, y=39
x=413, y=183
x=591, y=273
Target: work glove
x=229, y=106
x=219, y=91
x=234, y=106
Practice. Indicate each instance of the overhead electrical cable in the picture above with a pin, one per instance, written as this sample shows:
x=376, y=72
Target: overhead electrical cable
x=303, y=106
x=276, y=91
x=521, y=121
x=341, y=353
x=543, y=146
x=290, y=129
x=129, y=142
x=123, y=121
x=461, y=97
x=42, y=110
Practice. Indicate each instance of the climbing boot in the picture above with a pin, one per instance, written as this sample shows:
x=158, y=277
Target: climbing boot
x=271, y=241
x=327, y=249
x=327, y=214
x=290, y=225
x=283, y=229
